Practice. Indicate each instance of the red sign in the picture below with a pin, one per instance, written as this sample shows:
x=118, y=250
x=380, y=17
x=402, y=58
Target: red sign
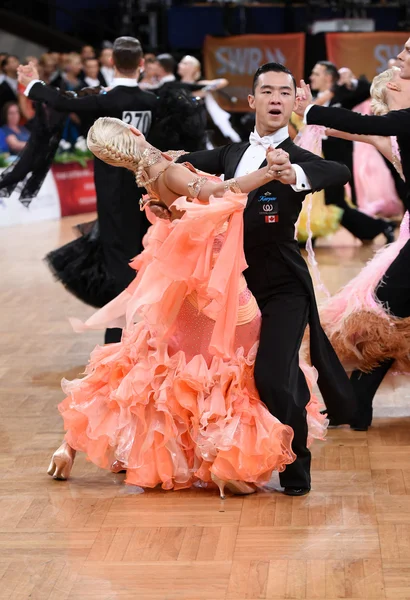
x=76, y=188
x=366, y=53
x=237, y=58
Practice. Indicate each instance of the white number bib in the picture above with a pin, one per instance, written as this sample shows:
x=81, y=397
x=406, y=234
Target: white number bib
x=140, y=119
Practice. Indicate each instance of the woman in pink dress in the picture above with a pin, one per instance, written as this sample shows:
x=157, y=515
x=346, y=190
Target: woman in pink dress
x=174, y=403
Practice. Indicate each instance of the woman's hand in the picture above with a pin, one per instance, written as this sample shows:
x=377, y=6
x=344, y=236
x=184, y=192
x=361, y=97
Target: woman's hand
x=280, y=167
x=303, y=98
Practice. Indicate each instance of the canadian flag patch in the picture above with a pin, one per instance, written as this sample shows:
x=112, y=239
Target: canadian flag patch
x=271, y=218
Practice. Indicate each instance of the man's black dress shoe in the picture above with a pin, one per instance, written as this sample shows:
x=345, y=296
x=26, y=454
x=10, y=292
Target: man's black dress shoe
x=357, y=427
x=332, y=421
x=294, y=491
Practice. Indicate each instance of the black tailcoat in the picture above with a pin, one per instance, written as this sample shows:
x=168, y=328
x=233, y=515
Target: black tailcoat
x=342, y=150
x=395, y=292
x=122, y=225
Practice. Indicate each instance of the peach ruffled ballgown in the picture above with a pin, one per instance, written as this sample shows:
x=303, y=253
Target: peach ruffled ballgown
x=175, y=400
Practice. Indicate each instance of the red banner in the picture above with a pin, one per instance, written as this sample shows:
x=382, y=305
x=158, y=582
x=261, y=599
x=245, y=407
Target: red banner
x=76, y=188
x=237, y=58
x=365, y=53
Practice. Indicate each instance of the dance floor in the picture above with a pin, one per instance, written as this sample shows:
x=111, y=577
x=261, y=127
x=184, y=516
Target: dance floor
x=94, y=538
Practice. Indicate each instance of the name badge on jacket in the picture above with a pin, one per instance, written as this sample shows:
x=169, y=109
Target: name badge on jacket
x=269, y=207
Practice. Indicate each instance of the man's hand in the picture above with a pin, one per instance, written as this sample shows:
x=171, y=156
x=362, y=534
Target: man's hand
x=346, y=78
x=279, y=166
x=303, y=98
x=27, y=74
x=324, y=97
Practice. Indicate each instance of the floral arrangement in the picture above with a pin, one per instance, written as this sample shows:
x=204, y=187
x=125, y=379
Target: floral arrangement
x=79, y=153
x=4, y=162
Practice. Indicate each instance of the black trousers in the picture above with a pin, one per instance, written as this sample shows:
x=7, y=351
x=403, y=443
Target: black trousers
x=357, y=223
x=280, y=382
x=284, y=303
x=395, y=296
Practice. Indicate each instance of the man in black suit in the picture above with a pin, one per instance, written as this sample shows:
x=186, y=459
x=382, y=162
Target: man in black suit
x=9, y=84
x=277, y=274
x=324, y=81
x=122, y=225
x=395, y=293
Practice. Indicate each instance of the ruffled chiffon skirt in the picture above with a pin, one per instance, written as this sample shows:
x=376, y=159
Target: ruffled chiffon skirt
x=175, y=400
x=361, y=329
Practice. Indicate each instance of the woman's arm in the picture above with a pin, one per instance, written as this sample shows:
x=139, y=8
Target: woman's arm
x=183, y=182
x=26, y=107
x=14, y=144
x=381, y=143
x=396, y=122
x=214, y=84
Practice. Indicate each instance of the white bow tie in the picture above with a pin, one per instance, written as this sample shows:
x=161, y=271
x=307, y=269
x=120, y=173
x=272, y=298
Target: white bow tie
x=256, y=140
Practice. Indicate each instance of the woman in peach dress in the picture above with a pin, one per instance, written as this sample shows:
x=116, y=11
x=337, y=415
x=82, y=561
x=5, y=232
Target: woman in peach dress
x=174, y=403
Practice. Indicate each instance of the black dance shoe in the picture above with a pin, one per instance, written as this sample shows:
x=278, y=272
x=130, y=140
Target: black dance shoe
x=295, y=491
x=332, y=421
x=358, y=427
x=388, y=233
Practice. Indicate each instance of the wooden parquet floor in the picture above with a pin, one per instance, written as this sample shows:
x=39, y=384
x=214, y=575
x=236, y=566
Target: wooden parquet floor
x=94, y=538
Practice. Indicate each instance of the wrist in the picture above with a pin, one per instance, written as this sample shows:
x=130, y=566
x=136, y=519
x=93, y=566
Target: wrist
x=267, y=174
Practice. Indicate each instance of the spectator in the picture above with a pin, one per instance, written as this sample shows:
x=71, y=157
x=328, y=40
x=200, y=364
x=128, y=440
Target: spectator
x=87, y=52
x=91, y=70
x=106, y=67
x=3, y=143
x=150, y=77
x=72, y=70
x=69, y=78
x=166, y=68
x=9, y=86
x=48, y=65
x=15, y=134
x=3, y=55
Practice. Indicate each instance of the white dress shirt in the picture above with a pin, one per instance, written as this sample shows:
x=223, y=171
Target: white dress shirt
x=166, y=79
x=256, y=154
x=91, y=82
x=124, y=81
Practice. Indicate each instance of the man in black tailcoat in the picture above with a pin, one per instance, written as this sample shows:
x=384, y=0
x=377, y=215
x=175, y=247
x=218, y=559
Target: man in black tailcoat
x=335, y=89
x=395, y=291
x=277, y=274
x=122, y=225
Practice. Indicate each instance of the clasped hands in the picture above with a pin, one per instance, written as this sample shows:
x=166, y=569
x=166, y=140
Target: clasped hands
x=27, y=74
x=279, y=166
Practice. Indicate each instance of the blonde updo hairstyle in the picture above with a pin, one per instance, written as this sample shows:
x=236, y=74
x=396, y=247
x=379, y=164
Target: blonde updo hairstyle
x=112, y=141
x=195, y=63
x=378, y=91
